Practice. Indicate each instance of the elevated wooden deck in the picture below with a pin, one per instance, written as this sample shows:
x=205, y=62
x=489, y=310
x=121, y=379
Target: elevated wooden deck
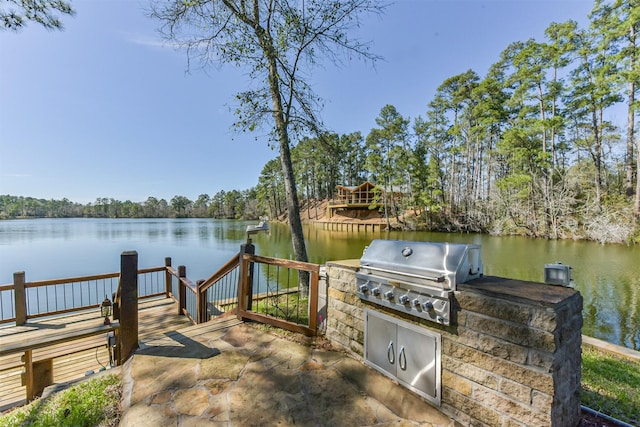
x=157, y=317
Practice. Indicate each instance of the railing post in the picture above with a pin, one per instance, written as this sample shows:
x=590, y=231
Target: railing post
x=313, y=301
x=167, y=276
x=250, y=250
x=128, y=304
x=201, y=304
x=245, y=279
x=20, y=297
x=182, y=290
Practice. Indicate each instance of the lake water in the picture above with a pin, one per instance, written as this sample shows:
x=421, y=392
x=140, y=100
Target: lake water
x=607, y=276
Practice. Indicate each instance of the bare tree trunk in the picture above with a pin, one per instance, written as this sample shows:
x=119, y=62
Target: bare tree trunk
x=630, y=130
x=636, y=209
x=293, y=207
x=631, y=126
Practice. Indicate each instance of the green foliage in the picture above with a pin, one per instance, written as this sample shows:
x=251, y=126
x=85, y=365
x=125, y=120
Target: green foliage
x=89, y=403
x=15, y=14
x=610, y=385
x=289, y=307
x=233, y=204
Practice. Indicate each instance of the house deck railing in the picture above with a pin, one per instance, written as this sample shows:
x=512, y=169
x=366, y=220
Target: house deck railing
x=275, y=291
x=23, y=300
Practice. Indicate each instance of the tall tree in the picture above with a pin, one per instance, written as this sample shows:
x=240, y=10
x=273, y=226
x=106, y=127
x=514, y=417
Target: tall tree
x=270, y=188
x=201, y=205
x=388, y=156
x=592, y=92
x=619, y=22
x=278, y=41
x=454, y=96
x=180, y=205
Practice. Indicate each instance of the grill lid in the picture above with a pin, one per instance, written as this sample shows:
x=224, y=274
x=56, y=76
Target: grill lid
x=442, y=265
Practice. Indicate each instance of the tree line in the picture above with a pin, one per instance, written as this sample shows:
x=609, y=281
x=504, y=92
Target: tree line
x=526, y=149
x=234, y=204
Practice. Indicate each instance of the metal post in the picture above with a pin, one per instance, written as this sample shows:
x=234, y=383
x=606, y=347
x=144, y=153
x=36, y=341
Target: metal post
x=128, y=303
x=201, y=303
x=182, y=290
x=20, y=297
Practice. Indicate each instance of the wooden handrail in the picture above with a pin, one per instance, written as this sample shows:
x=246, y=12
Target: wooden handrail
x=299, y=265
x=40, y=283
x=151, y=270
x=72, y=281
x=222, y=271
x=189, y=284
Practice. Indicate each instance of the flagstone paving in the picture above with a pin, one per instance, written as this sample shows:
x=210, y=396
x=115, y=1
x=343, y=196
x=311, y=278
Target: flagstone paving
x=243, y=375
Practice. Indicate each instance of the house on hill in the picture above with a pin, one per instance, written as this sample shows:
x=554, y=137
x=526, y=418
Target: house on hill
x=360, y=197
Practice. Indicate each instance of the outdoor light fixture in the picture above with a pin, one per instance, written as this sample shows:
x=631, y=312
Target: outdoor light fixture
x=557, y=274
x=105, y=310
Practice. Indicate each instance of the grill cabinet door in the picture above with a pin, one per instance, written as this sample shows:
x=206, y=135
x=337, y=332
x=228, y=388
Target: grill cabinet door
x=380, y=343
x=417, y=364
x=405, y=352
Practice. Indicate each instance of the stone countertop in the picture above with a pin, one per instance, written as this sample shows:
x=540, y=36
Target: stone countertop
x=519, y=290
x=351, y=264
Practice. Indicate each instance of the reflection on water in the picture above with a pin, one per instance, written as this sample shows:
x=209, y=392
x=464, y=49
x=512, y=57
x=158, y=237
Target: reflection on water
x=607, y=276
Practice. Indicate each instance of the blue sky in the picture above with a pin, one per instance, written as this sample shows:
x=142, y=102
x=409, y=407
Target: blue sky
x=102, y=109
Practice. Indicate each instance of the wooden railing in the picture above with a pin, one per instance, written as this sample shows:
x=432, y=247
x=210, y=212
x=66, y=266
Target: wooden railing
x=286, y=292
x=24, y=300
x=219, y=293
x=209, y=298
x=289, y=297
x=275, y=291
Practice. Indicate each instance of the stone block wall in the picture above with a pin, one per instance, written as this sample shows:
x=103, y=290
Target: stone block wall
x=511, y=356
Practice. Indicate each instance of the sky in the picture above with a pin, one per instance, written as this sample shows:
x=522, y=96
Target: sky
x=103, y=109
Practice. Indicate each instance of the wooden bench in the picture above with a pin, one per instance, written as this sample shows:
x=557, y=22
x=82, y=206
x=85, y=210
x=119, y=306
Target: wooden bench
x=41, y=343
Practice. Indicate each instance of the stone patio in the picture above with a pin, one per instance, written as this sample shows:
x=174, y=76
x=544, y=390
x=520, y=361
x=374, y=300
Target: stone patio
x=233, y=374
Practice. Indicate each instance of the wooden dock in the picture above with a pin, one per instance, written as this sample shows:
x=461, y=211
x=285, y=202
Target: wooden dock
x=156, y=318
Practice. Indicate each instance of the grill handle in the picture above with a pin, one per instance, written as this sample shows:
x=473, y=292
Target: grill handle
x=437, y=279
x=391, y=357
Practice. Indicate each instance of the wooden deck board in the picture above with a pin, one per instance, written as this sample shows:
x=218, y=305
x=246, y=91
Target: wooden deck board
x=157, y=318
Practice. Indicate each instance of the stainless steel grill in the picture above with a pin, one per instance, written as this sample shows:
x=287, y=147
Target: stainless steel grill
x=416, y=277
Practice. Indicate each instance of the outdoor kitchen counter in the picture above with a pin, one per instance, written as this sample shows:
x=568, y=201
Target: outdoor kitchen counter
x=519, y=290
x=351, y=264
x=510, y=355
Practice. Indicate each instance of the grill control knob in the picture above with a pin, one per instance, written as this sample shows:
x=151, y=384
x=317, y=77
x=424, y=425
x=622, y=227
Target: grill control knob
x=403, y=299
x=427, y=305
x=375, y=291
x=364, y=288
x=415, y=303
x=388, y=295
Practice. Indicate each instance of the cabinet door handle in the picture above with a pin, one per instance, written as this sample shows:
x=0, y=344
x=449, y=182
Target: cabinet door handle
x=391, y=357
x=402, y=359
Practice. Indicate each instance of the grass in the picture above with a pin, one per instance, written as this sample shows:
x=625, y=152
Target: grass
x=95, y=402
x=611, y=385
x=289, y=307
